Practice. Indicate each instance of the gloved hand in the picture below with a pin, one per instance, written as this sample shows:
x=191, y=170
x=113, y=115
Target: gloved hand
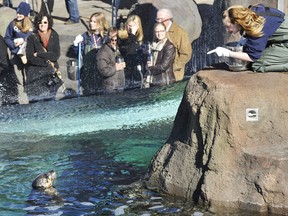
x=78, y=40
x=220, y=51
x=18, y=41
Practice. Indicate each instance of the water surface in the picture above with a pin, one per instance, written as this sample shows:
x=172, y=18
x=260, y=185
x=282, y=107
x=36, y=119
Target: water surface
x=95, y=144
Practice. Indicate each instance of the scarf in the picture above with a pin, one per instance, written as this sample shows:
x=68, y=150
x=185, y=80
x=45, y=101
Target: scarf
x=156, y=47
x=44, y=37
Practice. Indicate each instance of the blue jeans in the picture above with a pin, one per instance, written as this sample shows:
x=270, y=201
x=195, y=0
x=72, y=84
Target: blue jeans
x=115, y=7
x=72, y=9
x=7, y=3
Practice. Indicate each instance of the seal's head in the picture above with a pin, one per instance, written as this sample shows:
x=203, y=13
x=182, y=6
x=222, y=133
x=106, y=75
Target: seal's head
x=44, y=180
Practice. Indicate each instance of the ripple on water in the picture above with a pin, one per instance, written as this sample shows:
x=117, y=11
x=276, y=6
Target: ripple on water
x=95, y=144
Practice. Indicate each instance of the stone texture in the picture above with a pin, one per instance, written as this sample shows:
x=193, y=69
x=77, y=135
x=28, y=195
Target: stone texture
x=185, y=13
x=216, y=156
x=7, y=15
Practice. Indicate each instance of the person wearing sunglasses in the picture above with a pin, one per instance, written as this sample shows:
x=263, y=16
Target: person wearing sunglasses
x=160, y=70
x=16, y=33
x=179, y=37
x=110, y=65
x=43, y=52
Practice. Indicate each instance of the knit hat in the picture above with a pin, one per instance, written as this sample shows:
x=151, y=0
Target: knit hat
x=23, y=8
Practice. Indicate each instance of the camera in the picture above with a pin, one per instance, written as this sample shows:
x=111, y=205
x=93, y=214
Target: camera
x=119, y=59
x=54, y=79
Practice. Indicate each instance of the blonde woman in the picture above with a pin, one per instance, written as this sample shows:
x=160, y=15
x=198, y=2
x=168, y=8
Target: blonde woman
x=265, y=35
x=16, y=33
x=95, y=36
x=90, y=42
x=19, y=28
x=130, y=40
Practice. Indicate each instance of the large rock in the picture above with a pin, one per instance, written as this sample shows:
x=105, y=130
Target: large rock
x=220, y=151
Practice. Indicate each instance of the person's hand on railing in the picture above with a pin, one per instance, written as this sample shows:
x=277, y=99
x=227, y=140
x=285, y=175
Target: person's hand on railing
x=78, y=39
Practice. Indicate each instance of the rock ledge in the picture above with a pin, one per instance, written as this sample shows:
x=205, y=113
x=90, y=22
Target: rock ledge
x=228, y=147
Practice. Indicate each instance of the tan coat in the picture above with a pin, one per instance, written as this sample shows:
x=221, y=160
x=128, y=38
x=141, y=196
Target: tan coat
x=180, y=39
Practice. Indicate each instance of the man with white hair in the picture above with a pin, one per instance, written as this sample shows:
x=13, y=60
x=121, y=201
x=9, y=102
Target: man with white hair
x=180, y=39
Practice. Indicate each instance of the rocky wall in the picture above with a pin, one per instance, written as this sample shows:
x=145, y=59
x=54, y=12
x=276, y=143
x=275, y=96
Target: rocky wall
x=228, y=147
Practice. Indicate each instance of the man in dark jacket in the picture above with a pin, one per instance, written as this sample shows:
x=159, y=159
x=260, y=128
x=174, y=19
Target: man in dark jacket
x=111, y=72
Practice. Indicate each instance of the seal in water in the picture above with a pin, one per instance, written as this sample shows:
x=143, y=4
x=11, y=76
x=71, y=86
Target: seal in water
x=43, y=192
x=45, y=180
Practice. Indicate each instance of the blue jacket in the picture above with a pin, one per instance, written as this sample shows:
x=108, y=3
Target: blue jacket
x=254, y=46
x=90, y=40
x=12, y=32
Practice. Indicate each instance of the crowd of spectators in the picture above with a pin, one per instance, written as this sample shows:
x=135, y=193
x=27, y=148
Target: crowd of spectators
x=113, y=59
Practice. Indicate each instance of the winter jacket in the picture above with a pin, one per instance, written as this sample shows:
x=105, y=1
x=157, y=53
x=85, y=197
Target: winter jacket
x=110, y=79
x=34, y=44
x=162, y=71
x=130, y=48
x=89, y=42
x=254, y=46
x=179, y=37
x=12, y=32
x=39, y=70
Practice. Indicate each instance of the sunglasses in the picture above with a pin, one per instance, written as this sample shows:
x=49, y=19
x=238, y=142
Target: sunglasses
x=160, y=31
x=45, y=22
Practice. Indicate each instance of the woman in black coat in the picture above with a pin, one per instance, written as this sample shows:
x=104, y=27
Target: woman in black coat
x=129, y=41
x=43, y=51
x=160, y=69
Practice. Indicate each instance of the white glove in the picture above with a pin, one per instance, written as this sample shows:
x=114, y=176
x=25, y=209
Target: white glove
x=18, y=41
x=220, y=51
x=78, y=40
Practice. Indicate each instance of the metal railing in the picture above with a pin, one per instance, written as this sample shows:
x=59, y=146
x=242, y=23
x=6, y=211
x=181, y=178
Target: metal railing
x=115, y=6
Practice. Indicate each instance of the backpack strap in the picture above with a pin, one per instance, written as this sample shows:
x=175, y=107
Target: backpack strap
x=267, y=12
